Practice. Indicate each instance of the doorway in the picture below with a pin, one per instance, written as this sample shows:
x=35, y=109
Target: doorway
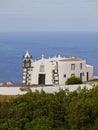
x=87, y=76
x=41, y=80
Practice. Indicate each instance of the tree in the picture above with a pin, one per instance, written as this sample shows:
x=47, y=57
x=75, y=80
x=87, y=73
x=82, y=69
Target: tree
x=73, y=80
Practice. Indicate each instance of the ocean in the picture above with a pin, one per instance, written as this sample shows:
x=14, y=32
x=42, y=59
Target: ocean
x=13, y=45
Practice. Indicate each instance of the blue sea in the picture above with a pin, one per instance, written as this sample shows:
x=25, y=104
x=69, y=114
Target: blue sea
x=13, y=46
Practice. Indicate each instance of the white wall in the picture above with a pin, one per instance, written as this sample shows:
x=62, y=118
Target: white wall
x=47, y=72
x=64, y=68
x=90, y=71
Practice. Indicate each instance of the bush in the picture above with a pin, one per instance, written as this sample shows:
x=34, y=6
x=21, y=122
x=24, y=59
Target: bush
x=73, y=80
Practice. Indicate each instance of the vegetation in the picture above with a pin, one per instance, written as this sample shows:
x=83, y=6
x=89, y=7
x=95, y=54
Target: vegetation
x=63, y=110
x=73, y=80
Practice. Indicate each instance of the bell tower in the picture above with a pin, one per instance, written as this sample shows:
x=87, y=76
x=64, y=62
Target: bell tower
x=27, y=60
x=27, y=69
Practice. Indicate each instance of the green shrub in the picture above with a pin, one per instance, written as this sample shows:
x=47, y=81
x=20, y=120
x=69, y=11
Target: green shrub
x=73, y=80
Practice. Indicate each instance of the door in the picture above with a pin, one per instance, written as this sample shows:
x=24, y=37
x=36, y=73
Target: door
x=41, y=80
x=87, y=76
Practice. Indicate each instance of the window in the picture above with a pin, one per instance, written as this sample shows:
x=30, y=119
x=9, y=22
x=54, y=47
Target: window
x=81, y=75
x=27, y=63
x=24, y=63
x=72, y=75
x=80, y=65
x=42, y=68
x=64, y=75
x=72, y=66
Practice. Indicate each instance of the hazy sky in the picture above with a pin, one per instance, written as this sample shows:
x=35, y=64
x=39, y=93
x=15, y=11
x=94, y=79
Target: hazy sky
x=48, y=15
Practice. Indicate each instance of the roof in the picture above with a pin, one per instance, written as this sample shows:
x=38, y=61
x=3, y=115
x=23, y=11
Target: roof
x=27, y=54
x=70, y=59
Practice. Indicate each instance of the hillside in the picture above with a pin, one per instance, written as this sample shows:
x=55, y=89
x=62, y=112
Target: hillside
x=63, y=110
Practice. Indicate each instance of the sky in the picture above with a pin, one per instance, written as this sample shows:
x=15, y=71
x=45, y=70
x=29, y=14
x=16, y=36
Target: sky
x=48, y=15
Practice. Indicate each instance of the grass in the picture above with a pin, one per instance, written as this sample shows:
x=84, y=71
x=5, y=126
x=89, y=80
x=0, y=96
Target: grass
x=7, y=97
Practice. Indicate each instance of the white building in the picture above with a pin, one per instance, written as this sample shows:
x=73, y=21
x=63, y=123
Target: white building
x=54, y=71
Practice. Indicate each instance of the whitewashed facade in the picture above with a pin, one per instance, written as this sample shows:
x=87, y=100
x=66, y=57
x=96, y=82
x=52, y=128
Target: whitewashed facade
x=54, y=71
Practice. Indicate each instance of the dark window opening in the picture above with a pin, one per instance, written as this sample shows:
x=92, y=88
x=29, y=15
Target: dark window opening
x=87, y=76
x=72, y=66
